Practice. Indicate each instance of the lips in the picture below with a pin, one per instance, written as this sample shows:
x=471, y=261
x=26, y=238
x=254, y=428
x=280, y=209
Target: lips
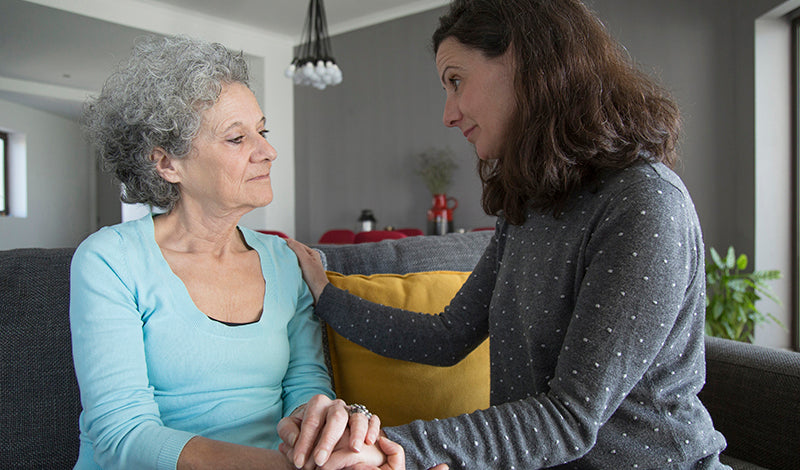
x=468, y=132
x=260, y=177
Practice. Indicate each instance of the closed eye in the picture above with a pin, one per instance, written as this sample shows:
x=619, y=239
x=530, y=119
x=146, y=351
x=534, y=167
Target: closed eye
x=240, y=138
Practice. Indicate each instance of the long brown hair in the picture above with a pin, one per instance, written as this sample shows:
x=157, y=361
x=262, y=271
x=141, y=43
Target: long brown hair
x=582, y=105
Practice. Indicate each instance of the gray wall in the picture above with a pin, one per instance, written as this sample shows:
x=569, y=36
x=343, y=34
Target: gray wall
x=354, y=141
x=59, y=179
x=703, y=52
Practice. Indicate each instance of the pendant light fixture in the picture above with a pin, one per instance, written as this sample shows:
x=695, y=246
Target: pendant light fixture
x=314, y=64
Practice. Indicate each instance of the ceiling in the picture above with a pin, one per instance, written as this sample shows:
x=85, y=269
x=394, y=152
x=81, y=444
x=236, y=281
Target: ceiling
x=50, y=58
x=286, y=17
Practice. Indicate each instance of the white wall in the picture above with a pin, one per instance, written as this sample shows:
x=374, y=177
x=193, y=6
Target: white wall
x=59, y=175
x=272, y=54
x=773, y=139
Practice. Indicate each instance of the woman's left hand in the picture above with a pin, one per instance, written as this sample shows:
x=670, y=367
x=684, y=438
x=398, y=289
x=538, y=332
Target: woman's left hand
x=324, y=421
x=311, y=265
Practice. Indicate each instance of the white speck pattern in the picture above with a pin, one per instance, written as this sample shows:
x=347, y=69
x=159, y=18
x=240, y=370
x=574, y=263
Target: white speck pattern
x=579, y=310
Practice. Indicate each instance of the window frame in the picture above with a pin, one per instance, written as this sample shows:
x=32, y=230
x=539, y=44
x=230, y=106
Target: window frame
x=795, y=145
x=4, y=209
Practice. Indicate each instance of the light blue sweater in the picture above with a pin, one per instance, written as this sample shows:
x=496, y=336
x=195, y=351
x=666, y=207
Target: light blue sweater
x=154, y=371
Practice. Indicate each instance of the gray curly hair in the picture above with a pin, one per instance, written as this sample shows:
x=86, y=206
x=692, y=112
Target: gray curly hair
x=155, y=99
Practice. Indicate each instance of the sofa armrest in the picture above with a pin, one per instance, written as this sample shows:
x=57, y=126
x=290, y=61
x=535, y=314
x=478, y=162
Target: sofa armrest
x=39, y=398
x=753, y=395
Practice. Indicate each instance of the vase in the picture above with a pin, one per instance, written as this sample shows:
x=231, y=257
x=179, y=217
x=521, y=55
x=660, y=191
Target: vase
x=366, y=222
x=440, y=215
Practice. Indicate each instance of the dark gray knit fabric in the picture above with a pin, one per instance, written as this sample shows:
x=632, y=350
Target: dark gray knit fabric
x=596, y=326
x=451, y=252
x=760, y=426
x=39, y=399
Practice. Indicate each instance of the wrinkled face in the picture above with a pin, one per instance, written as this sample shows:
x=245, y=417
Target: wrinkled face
x=228, y=168
x=480, y=95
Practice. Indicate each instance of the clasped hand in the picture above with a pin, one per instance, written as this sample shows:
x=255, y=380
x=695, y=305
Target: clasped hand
x=345, y=438
x=330, y=435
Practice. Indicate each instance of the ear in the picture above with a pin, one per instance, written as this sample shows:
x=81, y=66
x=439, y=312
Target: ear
x=165, y=165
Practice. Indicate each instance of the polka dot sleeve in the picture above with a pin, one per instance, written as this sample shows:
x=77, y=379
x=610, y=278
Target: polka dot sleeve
x=441, y=340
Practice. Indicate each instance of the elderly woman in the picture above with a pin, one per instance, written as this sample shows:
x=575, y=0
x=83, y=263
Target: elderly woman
x=192, y=336
x=592, y=289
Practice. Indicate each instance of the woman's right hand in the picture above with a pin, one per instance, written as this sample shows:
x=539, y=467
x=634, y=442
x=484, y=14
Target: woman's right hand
x=311, y=264
x=393, y=453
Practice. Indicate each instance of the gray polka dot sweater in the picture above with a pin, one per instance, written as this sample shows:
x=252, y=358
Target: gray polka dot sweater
x=595, y=320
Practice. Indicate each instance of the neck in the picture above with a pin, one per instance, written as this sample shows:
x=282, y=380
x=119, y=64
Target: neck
x=199, y=231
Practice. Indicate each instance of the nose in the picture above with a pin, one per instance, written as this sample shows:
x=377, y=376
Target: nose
x=451, y=112
x=265, y=151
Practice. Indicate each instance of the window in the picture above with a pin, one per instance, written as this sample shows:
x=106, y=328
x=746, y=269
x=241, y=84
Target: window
x=3, y=173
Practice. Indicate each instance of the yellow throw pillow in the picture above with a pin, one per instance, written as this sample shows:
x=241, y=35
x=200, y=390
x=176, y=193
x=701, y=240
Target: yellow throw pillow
x=399, y=391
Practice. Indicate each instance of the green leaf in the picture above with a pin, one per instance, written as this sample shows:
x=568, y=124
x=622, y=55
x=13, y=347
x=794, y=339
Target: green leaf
x=741, y=262
x=778, y=322
x=738, y=285
x=767, y=275
x=717, y=311
x=730, y=260
x=717, y=260
x=732, y=294
x=729, y=331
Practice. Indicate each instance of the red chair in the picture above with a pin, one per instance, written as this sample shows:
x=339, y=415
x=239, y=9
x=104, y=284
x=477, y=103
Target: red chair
x=337, y=237
x=274, y=232
x=378, y=235
x=410, y=232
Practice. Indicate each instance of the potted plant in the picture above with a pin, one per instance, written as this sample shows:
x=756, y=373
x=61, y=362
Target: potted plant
x=731, y=296
x=436, y=167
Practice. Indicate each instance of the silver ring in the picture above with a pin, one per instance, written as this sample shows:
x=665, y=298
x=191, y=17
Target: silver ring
x=356, y=408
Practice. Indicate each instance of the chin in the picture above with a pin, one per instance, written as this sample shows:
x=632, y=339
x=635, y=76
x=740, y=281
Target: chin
x=267, y=196
x=261, y=201
x=482, y=153
x=484, y=156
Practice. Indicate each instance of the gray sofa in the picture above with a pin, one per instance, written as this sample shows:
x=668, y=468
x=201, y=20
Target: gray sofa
x=753, y=393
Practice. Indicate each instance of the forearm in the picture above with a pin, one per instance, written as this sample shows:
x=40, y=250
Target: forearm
x=202, y=453
x=306, y=375
x=441, y=340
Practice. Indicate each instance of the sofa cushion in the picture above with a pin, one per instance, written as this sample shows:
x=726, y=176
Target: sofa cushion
x=737, y=464
x=39, y=399
x=451, y=252
x=398, y=391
